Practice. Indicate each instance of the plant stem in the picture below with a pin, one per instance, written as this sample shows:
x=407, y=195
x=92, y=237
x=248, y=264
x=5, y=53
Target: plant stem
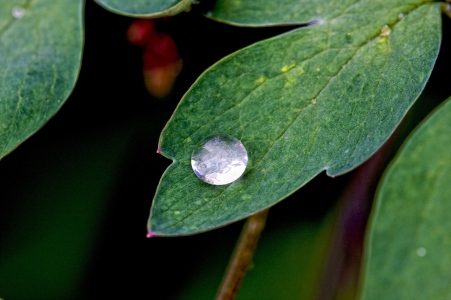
x=242, y=256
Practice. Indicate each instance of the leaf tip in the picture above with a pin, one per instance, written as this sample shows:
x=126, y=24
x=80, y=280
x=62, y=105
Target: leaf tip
x=150, y=234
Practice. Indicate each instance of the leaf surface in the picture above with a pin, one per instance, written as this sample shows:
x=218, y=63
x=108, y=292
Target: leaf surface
x=146, y=8
x=409, y=243
x=266, y=13
x=317, y=98
x=40, y=53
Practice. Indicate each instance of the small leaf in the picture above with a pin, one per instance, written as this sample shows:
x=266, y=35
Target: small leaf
x=317, y=98
x=408, y=250
x=146, y=8
x=40, y=54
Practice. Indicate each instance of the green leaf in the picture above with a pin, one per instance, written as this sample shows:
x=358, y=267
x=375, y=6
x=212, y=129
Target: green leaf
x=40, y=54
x=408, y=250
x=266, y=13
x=317, y=98
x=146, y=8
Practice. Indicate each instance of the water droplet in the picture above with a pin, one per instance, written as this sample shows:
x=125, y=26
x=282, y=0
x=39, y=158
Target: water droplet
x=209, y=13
x=219, y=159
x=400, y=16
x=18, y=12
x=421, y=252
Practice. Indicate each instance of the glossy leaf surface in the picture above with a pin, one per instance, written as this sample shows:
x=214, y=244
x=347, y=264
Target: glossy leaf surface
x=409, y=243
x=317, y=98
x=146, y=8
x=40, y=53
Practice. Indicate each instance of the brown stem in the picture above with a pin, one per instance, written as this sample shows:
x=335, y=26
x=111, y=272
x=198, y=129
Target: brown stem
x=242, y=256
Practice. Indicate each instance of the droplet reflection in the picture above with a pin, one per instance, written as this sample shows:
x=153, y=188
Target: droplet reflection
x=219, y=159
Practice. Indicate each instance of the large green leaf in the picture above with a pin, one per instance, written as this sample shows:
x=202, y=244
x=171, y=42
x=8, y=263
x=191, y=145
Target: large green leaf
x=318, y=98
x=40, y=54
x=146, y=8
x=409, y=243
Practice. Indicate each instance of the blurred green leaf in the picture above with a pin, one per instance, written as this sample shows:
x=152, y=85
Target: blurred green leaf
x=408, y=250
x=55, y=220
x=318, y=98
x=146, y=8
x=40, y=53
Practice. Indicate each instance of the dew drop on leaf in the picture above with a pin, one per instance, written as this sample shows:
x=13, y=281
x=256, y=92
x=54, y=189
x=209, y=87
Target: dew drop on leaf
x=219, y=159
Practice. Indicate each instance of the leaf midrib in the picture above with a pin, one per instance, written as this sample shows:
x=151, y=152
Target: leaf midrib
x=359, y=47
x=235, y=106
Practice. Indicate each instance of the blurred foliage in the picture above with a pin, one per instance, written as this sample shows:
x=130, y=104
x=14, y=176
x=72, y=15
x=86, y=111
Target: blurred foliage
x=39, y=61
x=288, y=264
x=413, y=198
x=52, y=227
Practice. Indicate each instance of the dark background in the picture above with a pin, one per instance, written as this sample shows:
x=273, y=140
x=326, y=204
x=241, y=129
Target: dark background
x=75, y=197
